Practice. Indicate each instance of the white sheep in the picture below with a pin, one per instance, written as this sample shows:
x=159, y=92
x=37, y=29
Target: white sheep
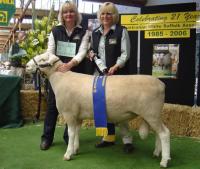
x=126, y=97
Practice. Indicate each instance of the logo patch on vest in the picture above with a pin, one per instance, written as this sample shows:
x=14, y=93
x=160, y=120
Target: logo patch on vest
x=77, y=37
x=112, y=41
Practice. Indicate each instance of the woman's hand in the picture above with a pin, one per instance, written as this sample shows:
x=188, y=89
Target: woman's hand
x=64, y=67
x=113, y=69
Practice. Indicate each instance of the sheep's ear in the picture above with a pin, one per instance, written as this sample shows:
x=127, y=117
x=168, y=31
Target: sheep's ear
x=41, y=57
x=51, y=58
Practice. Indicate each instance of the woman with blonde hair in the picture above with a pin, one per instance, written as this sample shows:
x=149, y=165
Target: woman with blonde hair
x=110, y=43
x=68, y=41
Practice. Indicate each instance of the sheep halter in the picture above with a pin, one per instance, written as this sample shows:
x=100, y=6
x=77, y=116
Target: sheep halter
x=44, y=65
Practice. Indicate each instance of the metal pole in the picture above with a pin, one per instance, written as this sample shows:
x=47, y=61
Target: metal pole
x=197, y=69
x=33, y=14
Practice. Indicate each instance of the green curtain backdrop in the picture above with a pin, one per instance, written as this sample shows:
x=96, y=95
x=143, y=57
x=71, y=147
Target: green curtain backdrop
x=10, y=114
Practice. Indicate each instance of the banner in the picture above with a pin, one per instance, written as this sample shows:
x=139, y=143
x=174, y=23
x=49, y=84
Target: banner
x=173, y=20
x=7, y=10
x=163, y=25
x=158, y=26
x=185, y=33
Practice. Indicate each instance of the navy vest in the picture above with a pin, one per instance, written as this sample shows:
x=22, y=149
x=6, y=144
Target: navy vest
x=112, y=46
x=60, y=34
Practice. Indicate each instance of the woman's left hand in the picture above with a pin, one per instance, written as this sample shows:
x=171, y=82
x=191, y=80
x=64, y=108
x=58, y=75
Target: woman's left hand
x=113, y=69
x=64, y=67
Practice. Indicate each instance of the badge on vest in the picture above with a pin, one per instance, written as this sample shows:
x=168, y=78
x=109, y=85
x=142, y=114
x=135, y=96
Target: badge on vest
x=67, y=49
x=112, y=41
x=77, y=37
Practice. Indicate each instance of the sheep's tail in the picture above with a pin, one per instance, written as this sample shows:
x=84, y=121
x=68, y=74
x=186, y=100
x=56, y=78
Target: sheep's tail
x=143, y=130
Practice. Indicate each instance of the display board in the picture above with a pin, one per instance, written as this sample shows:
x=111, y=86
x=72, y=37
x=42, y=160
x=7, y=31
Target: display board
x=86, y=63
x=180, y=81
x=197, y=91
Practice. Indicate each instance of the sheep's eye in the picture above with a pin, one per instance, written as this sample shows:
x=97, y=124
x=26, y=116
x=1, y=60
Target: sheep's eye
x=42, y=60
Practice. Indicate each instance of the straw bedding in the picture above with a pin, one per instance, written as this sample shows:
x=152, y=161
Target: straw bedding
x=181, y=120
x=29, y=104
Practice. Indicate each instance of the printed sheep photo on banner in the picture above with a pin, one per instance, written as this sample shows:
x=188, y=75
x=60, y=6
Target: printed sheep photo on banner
x=142, y=95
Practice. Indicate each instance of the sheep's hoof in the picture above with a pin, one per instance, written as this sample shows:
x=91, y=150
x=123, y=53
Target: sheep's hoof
x=66, y=158
x=128, y=148
x=164, y=163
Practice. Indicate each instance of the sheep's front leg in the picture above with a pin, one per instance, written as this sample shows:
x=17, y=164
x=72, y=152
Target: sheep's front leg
x=76, y=143
x=70, y=147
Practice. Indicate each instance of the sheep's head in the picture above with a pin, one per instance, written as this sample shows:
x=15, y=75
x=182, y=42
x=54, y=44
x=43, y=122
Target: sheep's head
x=41, y=61
x=7, y=65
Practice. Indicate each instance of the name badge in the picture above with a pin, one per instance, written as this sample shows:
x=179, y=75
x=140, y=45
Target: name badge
x=77, y=37
x=112, y=41
x=67, y=49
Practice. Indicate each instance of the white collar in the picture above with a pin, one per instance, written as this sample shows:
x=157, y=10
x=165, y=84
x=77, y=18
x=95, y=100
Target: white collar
x=113, y=27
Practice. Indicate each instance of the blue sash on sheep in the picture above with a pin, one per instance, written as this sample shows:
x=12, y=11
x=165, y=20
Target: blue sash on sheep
x=99, y=106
